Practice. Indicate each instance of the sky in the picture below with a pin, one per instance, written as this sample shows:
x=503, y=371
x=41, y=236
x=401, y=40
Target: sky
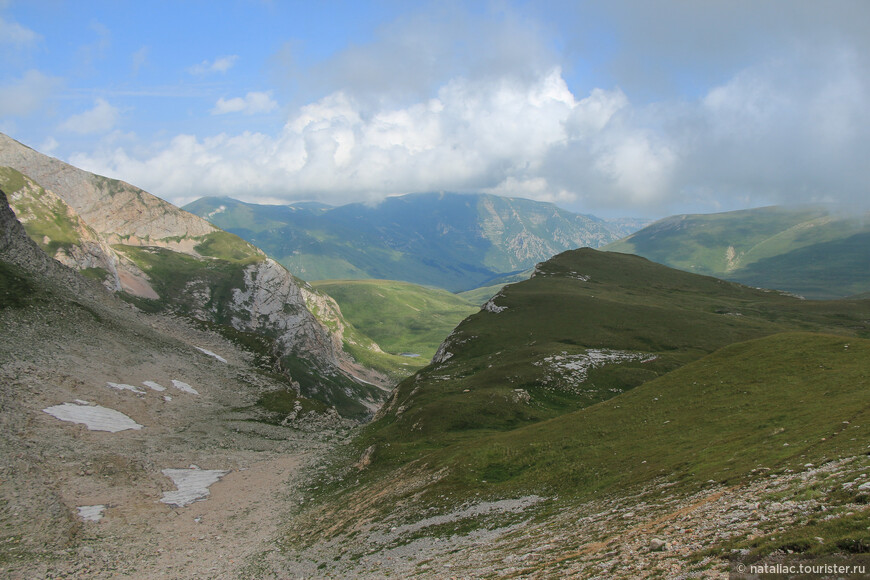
x=616, y=108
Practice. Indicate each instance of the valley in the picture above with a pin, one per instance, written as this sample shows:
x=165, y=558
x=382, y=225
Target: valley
x=175, y=403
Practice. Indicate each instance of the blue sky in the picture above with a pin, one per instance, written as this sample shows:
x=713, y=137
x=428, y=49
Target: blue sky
x=633, y=108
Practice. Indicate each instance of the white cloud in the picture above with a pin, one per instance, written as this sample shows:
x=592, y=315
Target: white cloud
x=17, y=35
x=219, y=65
x=498, y=135
x=27, y=94
x=101, y=119
x=251, y=104
x=417, y=110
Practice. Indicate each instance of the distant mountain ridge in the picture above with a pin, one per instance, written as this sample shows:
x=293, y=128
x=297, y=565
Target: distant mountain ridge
x=450, y=240
x=809, y=251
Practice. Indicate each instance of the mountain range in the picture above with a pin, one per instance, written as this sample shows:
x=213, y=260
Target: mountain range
x=175, y=403
x=810, y=251
x=449, y=240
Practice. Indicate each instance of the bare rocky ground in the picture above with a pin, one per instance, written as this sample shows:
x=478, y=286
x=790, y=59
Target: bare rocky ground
x=651, y=534
x=67, y=352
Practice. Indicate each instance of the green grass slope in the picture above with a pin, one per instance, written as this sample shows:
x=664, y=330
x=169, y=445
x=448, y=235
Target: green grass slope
x=776, y=402
x=403, y=318
x=501, y=370
x=48, y=221
x=807, y=251
x=744, y=414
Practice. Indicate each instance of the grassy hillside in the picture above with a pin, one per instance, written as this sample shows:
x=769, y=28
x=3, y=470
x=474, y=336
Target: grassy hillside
x=603, y=402
x=402, y=318
x=807, y=251
x=587, y=327
x=745, y=415
x=717, y=419
x=453, y=241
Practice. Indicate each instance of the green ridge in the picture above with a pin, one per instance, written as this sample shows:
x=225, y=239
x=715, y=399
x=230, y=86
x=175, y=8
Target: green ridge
x=498, y=377
x=403, y=318
x=807, y=251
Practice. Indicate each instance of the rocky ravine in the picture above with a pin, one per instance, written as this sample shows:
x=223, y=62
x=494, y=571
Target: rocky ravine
x=132, y=444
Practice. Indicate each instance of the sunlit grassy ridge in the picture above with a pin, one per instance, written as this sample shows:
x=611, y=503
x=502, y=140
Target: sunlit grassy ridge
x=401, y=317
x=498, y=376
x=808, y=251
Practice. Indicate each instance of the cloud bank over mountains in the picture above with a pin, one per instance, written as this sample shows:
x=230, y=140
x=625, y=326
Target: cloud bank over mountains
x=621, y=108
x=757, y=138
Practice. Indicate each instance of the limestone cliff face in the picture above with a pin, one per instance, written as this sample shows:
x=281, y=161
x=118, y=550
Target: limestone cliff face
x=274, y=301
x=58, y=229
x=115, y=209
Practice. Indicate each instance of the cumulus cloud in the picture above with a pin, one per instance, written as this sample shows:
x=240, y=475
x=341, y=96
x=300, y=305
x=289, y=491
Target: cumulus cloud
x=219, y=65
x=470, y=136
x=100, y=119
x=27, y=94
x=253, y=103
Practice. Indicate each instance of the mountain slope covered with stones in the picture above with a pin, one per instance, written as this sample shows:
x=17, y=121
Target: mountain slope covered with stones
x=164, y=259
x=132, y=443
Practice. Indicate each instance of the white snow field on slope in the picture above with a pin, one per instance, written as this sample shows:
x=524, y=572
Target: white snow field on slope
x=181, y=386
x=192, y=485
x=96, y=418
x=211, y=354
x=91, y=513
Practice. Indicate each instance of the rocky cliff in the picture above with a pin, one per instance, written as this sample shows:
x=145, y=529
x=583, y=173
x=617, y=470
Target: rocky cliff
x=178, y=262
x=58, y=230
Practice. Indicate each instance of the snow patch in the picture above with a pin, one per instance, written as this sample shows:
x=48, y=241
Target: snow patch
x=154, y=386
x=181, y=386
x=192, y=484
x=91, y=513
x=96, y=418
x=125, y=387
x=211, y=354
